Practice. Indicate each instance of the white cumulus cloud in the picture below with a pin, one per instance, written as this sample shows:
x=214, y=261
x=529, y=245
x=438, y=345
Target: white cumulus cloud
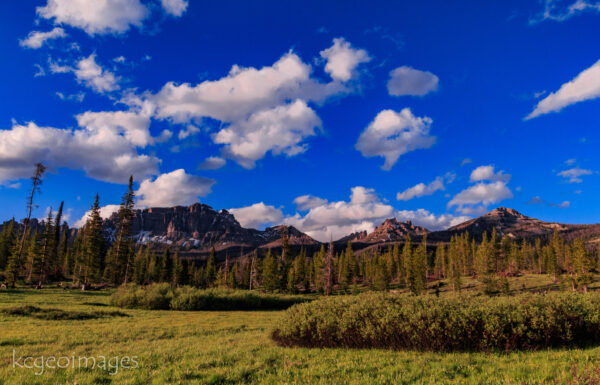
x=176, y=188
x=102, y=152
x=482, y=173
x=105, y=213
x=343, y=59
x=174, y=7
x=212, y=163
x=96, y=17
x=409, y=81
x=480, y=194
x=573, y=175
x=363, y=212
x=307, y=202
x=88, y=72
x=279, y=130
x=257, y=215
x=585, y=86
x=392, y=134
x=422, y=189
x=36, y=39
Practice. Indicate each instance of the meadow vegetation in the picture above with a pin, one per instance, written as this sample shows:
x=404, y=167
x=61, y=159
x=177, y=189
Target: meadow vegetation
x=234, y=347
x=165, y=297
x=450, y=323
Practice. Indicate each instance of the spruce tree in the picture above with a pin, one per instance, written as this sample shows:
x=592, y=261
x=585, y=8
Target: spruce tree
x=270, y=273
x=36, y=182
x=94, y=244
x=7, y=241
x=166, y=266
x=119, y=269
x=211, y=268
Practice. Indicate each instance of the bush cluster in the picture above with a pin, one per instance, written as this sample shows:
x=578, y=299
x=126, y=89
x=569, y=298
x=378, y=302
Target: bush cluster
x=164, y=297
x=426, y=323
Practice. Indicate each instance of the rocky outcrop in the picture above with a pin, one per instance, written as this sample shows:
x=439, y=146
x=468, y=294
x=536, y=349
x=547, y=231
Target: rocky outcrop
x=199, y=228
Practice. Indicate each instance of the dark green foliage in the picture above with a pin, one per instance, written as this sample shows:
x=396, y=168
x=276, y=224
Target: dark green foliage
x=443, y=324
x=164, y=297
x=58, y=314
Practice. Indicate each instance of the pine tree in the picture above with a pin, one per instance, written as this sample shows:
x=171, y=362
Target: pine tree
x=7, y=241
x=34, y=259
x=270, y=273
x=36, y=182
x=46, y=249
x=318, y=266
x=407, y=257
x=118, y=266
x=417, y=270
x=94, y=244
x=177, y=274
x=440, y=261
x=53, y=256
x=329, y=270
x=211, y=268
x=166, y=266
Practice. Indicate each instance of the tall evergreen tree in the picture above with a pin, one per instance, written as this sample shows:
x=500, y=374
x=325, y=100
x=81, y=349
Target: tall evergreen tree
x=36, y=182
x=94, y=244
x=7, y=241
x=118, y=266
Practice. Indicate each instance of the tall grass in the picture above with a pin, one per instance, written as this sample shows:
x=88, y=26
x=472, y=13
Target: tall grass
x=164, y=297
x=443, y=324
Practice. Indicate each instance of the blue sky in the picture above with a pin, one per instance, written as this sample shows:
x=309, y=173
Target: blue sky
x=329, y=116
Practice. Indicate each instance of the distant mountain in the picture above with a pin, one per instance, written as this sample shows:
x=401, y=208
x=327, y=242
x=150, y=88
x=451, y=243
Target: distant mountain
x=391, y=230
x=511, y=223
x=197, y=228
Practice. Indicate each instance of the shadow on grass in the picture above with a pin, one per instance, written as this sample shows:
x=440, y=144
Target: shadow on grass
x=58, y=314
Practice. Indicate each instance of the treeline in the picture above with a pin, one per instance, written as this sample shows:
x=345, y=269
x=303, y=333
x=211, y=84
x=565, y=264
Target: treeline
x=36, y=257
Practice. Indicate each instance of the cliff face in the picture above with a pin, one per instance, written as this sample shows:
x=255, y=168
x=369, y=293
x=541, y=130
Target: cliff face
x=200, y=227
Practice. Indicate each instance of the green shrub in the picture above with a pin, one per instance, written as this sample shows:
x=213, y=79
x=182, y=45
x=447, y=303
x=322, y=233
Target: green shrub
x=443, y=324
x=162, y=296
x=58, y=314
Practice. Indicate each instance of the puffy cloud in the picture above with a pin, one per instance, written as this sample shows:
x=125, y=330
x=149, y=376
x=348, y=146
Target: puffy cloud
x=480, y=194
x=96, y=17
x=174, y=7
x=101, y=151
x=585, y=86
x=188, y=131
x=257, y=215
x=212, y=163
x=409, y=81
x=279, y=130
x=253, y=103
x=105, y=213
x=342, y=59
x=242, y=92
x=392, y=134
x=364, y=211
x=176, y=188
x=573, y=175
x=482, y=173
x=557, y=11
x=36, y=39
x=307, y=202
x=134, y=126
x=88, y=72
x=423, y=189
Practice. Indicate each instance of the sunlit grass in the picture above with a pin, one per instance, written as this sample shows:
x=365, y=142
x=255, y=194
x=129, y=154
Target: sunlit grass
x=176, y=347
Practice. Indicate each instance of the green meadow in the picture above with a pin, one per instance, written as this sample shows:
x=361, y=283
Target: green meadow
x=234, y=347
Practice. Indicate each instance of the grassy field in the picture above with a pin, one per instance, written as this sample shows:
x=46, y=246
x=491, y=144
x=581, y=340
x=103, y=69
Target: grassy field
x=175, y=347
